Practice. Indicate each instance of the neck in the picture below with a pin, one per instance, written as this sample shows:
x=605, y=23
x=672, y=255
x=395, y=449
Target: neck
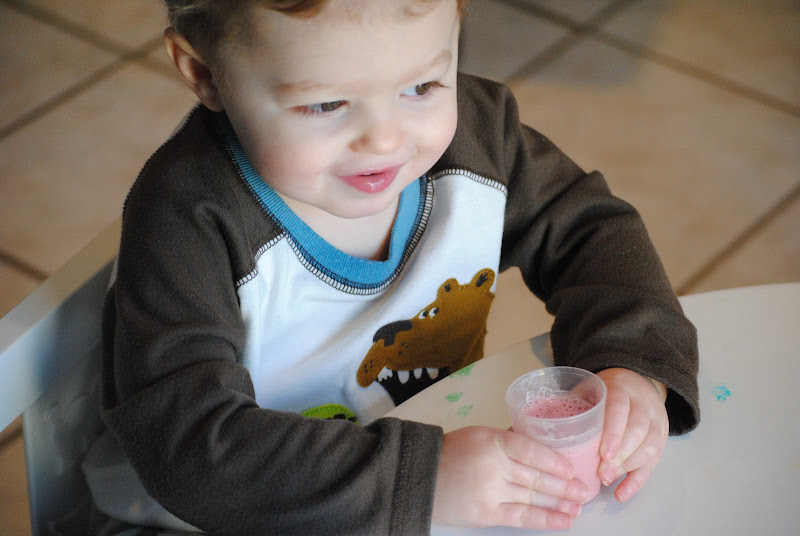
x=365, y=238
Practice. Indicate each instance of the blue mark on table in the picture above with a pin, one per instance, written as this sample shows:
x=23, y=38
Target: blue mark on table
x=721, y=392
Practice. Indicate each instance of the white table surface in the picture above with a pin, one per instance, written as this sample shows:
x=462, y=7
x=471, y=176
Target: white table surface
x=737, y=473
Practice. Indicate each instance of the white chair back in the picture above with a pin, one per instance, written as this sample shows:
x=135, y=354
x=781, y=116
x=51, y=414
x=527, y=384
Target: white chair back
x=50, y=360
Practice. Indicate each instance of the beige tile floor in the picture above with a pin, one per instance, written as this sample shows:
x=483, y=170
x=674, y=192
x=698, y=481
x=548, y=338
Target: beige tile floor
x=691, y=108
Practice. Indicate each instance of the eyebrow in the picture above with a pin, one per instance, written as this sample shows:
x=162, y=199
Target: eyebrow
x=305, y=86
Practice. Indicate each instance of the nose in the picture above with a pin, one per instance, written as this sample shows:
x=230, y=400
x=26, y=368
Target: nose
x=380, y=132
x=388, y=332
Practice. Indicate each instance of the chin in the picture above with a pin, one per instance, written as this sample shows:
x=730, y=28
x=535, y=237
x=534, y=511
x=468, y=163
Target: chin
x=364, y=210
x=367, y=205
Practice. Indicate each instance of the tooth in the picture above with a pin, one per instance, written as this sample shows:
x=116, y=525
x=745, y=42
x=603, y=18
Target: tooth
x=403, y=375
x=433, y=372
x=385, y=373
x=418, y=373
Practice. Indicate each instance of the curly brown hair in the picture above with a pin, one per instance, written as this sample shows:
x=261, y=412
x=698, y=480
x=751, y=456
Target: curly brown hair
x=204, y=23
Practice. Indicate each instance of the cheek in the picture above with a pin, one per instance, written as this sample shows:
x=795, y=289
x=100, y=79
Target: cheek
x=448, y=129
x=283, y=159
x=439, y=132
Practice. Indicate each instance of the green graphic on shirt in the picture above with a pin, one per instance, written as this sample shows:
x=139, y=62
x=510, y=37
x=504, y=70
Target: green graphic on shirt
x=331, y=412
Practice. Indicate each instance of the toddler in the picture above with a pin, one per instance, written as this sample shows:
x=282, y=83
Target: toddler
x=318, y=242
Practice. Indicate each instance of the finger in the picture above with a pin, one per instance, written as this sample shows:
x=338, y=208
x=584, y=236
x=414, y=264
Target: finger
x=633, y=438
x=648, y=453
x=532, y=479
x=618, y=409
x=632, y=483
x=532, y=497
x=531, y=517
x=526, y=451
x=655, y=428
x=587, y=390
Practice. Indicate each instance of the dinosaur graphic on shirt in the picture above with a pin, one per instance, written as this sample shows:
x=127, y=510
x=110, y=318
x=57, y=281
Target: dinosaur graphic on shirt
x=446, y=335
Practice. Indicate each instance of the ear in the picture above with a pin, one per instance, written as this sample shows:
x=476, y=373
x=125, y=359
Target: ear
x=483, y=276
x=193, y=70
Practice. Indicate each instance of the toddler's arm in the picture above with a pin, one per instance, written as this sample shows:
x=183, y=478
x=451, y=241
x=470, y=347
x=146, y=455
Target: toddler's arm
x=583, y=251
x=182, y=405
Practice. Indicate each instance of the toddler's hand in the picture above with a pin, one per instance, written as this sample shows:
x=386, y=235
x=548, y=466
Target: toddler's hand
x=493, y=477
x=635, y=431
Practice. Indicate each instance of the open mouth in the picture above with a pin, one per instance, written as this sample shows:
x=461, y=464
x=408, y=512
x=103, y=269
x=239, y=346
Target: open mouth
x=403, y=384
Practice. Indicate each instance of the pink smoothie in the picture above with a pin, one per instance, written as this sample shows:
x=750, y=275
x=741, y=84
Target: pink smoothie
x=585, y=456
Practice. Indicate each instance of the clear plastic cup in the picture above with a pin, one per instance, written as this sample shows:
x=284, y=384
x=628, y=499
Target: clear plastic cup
x=563, y=408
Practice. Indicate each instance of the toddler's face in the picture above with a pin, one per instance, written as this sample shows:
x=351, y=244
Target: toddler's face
x=340, y=113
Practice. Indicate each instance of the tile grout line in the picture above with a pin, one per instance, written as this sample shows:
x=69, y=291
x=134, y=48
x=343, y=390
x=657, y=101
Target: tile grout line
x=75, y=30
x=578, y=31
x=592, y=28
x=157, y=67
x=77, y=88
x=740, y=240
x=696, y=72
x=91, y=37
x=22, y=266
x=543, y=13
x=66, y=95
x=122, y=53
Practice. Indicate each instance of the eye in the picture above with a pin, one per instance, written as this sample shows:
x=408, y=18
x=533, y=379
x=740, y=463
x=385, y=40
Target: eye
x=428, y=313
x=321, y=108
x=421, y=89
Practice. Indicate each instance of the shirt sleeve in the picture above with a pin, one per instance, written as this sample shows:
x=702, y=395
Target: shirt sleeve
x=183, y=408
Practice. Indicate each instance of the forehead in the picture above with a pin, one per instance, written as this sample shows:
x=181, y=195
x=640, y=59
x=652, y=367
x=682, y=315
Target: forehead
x=351, y=8
x=365, y=9
x=349, y=38
x=260, y=20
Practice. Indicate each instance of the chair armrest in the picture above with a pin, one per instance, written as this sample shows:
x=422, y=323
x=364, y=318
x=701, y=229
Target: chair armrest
x=38, y=336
